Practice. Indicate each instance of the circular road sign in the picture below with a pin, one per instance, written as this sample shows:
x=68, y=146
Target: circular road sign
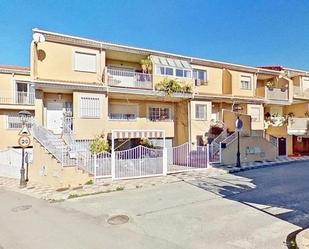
x=24, y=141
x=238, y=124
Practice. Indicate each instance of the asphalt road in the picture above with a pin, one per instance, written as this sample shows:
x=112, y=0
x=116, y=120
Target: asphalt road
x=253, y=209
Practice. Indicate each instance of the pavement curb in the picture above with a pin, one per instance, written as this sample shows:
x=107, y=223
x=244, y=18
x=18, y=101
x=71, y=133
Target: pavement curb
x=264, y=165
x=302, y=239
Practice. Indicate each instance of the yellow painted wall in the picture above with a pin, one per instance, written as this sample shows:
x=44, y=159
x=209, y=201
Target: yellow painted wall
x=200, y=127
x=181, y=123
x=229, y=154
x=236, y=84
x=214, y=81
x=142, y=121
x=56, y=62
x=48, y=171
x=226, y=82
x=229, y=119
x=256, y=125
x=9, y=137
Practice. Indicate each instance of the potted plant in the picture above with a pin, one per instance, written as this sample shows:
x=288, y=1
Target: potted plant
x=284, y=88
x=270, y=85
x=146, y=65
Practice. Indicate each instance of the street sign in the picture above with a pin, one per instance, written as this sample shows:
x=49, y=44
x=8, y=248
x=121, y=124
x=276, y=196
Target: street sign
x=24, y=131
x=239, y=124
x=24, y=141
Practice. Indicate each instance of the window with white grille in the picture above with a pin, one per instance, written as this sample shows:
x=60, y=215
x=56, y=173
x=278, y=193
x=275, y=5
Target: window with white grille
x=90, y=107
x=245, y=82
x=200, y=111
x=159, y=113
x=14, y=121
x=255, y=114
x=85, y=62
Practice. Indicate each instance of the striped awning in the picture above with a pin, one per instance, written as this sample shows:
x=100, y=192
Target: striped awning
x=170, y=62
x=137, y=134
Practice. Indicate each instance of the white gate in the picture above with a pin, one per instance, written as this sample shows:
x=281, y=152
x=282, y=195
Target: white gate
x=184, y=157
x=10, y=163
x=138, y=162
x=103, y=165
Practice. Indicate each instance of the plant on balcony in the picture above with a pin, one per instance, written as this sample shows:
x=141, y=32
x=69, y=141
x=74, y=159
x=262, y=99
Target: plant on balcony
x=146, y=65
x=171, y=86
x=98, y=145
x=284, y=88
x=307, y=114
x=270, y=85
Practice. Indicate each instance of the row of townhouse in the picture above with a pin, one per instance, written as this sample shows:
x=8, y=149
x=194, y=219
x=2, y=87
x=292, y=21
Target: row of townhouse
x=91, y=88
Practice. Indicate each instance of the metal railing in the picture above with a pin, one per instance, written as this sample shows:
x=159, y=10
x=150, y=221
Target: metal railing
x=14, y=122
x=122, y=116
x=276, y=94
x=125, y=78
x=298, y=126
x=22, y=98
x=300, y=92
x=272, y=139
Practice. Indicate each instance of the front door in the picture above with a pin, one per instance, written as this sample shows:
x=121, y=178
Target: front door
x=282, y=146
x=55, y=117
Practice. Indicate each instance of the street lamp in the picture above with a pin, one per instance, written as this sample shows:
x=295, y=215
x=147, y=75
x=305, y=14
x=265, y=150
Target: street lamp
x=238, y=126
x=24, y=115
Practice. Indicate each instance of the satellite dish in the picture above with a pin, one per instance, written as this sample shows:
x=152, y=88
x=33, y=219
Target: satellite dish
x=37, y=37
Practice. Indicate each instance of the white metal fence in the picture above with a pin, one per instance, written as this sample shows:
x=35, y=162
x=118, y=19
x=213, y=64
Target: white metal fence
x=25, y=98
x=126, y=78
x=138, y=162
x=185, y=157
x=10, y=163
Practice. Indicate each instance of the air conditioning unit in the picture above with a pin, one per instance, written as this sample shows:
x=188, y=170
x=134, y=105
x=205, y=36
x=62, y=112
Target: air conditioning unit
x=198, y=82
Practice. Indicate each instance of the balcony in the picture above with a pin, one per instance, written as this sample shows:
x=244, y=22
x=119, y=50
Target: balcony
x=298, y=126
x=300, y=92
x=19, y=98
x=276, y=94
x=128, y=79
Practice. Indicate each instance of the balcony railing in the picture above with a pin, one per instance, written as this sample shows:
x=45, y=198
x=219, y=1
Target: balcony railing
x=277, y=94
x=298, y=126
x=125, y=78
x=300, y=92
x=22, y=98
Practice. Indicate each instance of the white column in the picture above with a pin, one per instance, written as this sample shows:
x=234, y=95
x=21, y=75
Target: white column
x=164, y=161
x=113, y=158
x=207, y=155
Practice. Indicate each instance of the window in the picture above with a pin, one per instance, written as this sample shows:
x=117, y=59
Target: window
x=200, y=74
x=14, y=121
x=123, y=112
x=255, y=114
x=200, y=112
x=171, y=71
x=90, y=107
x=305, y=84
x=245, y=82
x=85, y=62
x=159, y=113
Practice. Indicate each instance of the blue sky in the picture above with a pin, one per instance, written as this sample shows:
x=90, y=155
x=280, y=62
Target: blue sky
x=260, y=32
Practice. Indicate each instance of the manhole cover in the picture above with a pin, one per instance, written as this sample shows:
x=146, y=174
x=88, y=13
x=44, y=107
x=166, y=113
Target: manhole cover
x=21, y=208
x=118, y=219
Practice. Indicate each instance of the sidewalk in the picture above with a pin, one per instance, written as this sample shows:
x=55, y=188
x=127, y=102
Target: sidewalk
x=261, y=164
x=302, y=239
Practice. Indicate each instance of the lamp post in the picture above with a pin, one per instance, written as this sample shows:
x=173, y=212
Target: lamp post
x=238, y=126
x=24, y=142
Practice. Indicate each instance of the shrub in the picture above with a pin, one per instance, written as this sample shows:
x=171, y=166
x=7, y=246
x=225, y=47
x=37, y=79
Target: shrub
x=99, y=145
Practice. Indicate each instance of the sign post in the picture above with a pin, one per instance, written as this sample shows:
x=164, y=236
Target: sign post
x=23, y=141
x=238, y=125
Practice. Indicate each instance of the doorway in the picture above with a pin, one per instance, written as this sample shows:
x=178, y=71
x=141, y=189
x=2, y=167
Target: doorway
x=54, y=117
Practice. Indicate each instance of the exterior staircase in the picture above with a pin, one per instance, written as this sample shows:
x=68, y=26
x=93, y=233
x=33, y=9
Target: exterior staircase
x=215, y=146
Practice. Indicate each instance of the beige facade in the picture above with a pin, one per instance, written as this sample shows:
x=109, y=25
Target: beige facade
x=100, y=87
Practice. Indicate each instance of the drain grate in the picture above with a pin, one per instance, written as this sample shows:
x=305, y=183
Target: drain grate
x=118, y=219
x=21, y=208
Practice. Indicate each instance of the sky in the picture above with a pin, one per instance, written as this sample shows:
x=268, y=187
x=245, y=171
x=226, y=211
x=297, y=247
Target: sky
x=260, y=32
